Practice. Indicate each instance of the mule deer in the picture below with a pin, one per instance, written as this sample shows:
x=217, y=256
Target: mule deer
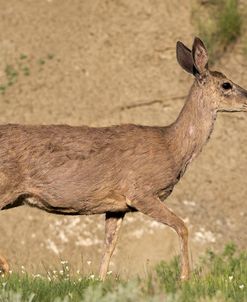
x=118, y=169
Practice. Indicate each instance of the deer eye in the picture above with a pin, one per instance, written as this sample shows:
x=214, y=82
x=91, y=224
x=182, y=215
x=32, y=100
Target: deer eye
x=226, y=86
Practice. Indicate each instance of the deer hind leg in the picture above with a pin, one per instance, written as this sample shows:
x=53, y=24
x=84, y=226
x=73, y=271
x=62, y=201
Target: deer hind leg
x=113, y=222
x=157, y=210
x=4, y=266
x=7, y=201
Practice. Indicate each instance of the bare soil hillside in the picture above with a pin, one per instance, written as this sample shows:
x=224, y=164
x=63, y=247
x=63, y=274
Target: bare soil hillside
x=109, y=62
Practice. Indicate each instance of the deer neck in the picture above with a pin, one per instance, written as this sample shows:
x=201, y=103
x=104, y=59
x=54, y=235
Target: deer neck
x=193, y=127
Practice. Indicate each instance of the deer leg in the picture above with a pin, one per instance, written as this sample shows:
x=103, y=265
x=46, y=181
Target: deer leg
x=4, y=266
x=113, y=222
x=157, y=210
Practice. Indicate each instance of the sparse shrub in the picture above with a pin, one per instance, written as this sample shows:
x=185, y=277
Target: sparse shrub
x=22, y=67
x=229, y=23
x=11, y=74
x=219, y=24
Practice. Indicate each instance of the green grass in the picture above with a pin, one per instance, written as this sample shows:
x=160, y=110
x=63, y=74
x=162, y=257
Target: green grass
x=219, y=24
x=218, y=277
x=224, y=275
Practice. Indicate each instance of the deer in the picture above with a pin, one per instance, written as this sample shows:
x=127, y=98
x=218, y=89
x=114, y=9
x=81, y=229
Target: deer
x=81, y=170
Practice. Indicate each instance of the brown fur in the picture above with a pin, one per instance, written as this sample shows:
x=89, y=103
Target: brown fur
x=118, y=169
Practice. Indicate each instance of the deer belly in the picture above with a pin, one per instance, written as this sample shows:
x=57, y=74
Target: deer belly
x=80, y=205
x=35, y=201
x=112, y=202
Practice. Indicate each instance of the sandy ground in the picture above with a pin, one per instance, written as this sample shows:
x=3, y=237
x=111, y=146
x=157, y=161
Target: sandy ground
x=109, y=62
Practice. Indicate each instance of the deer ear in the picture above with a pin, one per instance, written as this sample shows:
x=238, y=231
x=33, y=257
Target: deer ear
x=184, y=57
x=200, y=56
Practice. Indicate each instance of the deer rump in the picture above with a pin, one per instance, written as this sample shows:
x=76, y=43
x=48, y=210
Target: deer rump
x=82, y=170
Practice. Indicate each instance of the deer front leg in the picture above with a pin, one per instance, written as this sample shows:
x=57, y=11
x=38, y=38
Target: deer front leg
x=4, y=266
x=113, y=222
x=154, y=208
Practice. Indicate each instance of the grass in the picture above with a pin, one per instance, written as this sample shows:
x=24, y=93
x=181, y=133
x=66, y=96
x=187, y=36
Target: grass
x=219, y=25
x=218, y=277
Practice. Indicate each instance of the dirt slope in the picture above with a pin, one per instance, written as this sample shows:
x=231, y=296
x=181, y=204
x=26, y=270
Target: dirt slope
x=109, y=62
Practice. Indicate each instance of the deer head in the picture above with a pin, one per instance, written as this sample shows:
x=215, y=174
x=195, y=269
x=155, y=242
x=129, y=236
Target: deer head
x=219, y=93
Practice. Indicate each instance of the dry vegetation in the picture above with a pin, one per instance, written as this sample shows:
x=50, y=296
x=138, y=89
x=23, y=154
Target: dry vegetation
x=220, y=25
